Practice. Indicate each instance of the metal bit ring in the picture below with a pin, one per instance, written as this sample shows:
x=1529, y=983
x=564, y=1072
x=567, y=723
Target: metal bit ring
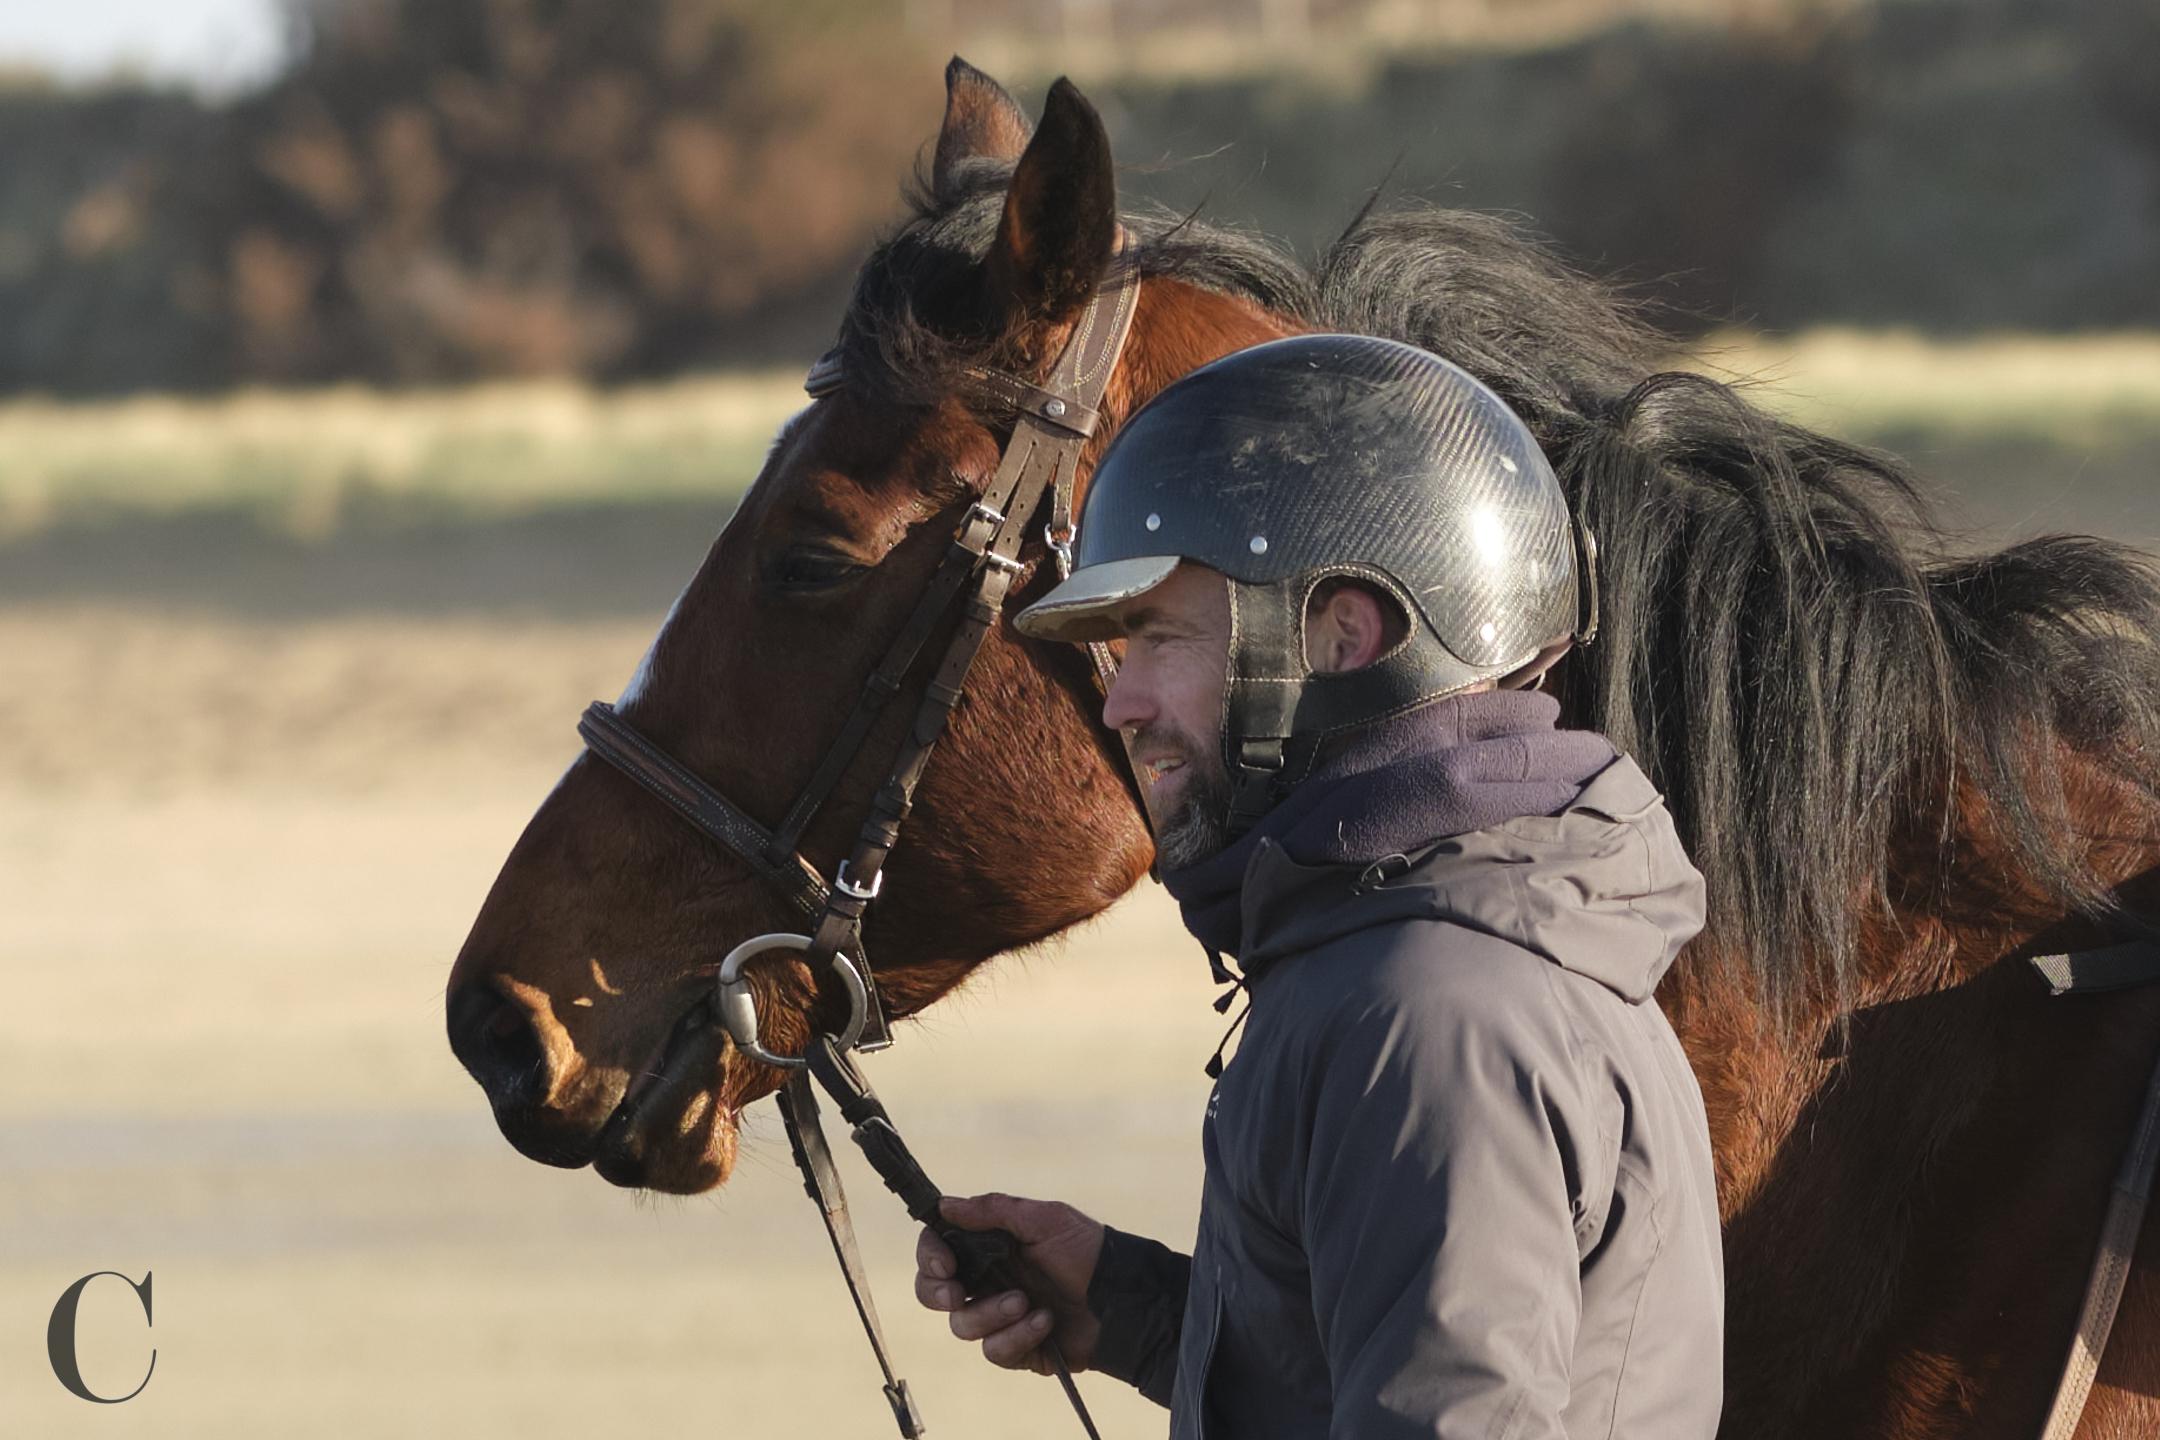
x=738, y=1007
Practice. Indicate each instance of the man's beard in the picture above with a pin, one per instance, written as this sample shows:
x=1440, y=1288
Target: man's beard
x=1198, y=825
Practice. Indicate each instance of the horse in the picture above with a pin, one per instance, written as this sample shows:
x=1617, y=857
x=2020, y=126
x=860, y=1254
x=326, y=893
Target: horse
x=1903, y=769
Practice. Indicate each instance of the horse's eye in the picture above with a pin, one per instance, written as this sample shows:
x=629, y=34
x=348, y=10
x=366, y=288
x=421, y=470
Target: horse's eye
x=803, y=569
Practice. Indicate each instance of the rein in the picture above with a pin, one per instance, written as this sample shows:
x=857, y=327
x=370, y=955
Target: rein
x=1052, y=423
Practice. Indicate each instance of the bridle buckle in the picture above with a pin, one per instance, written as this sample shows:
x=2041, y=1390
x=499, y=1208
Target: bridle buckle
x=842, y=882
x=1061, y=548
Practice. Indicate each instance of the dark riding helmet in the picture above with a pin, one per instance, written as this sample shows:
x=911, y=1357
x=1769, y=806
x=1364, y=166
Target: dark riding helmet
x=1325, y=456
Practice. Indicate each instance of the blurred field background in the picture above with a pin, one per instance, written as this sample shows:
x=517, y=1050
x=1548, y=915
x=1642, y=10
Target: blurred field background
x=331, y=491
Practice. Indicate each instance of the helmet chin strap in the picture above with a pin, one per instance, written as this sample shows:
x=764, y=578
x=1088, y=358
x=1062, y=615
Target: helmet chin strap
x=1277, y=711
x=1265, y=673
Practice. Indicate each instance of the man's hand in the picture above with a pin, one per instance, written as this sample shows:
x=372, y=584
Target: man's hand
x=1058, y=1250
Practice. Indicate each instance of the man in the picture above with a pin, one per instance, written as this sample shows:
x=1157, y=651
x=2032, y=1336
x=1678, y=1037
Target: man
x=1458, y=1177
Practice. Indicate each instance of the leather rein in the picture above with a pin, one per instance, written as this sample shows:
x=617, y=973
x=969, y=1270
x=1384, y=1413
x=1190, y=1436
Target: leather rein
x=1052, y=424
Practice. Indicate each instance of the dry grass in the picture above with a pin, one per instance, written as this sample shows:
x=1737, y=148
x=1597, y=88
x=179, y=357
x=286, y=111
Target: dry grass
x=2068, y=391
x=303, y=461
x=308, y=463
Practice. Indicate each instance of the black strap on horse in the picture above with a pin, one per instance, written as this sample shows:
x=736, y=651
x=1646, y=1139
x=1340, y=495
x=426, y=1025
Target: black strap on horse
x=986, y=1262
x=2087, y=972
x=1052, y=423
x=821, y=1181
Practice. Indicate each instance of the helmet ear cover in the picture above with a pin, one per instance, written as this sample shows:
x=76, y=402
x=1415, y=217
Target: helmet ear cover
x=1277, y=712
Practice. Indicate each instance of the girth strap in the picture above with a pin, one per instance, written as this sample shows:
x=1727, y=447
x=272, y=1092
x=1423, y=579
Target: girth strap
x=821, y=1180
x=2112, y=968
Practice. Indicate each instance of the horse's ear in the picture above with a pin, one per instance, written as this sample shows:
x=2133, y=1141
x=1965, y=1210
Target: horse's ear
x=1060, y=221
x=982, y=122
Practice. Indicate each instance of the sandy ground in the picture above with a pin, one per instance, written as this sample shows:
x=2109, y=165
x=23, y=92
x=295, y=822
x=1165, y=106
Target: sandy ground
x=235, y=861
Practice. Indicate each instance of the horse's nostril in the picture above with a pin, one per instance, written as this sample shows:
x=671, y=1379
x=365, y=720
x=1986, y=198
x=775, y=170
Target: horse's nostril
x=509, y=1040
x=506, y=1025
x=494, y=1037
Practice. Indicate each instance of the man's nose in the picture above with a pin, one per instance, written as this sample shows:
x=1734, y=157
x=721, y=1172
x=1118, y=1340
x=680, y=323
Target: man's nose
x=1126, y=705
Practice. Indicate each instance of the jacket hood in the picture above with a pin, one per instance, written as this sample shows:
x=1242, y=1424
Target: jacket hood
x=1603, y=888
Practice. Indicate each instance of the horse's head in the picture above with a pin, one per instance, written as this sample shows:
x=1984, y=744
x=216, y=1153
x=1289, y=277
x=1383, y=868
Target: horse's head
x=610, y=917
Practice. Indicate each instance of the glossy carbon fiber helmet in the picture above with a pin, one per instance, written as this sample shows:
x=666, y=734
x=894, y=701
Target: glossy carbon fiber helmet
x=1325, y=456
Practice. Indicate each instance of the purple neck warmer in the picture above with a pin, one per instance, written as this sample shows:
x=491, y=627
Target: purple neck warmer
x=1448, y=768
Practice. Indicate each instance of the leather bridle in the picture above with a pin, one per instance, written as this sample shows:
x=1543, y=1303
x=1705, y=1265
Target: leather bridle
x=1052, y=424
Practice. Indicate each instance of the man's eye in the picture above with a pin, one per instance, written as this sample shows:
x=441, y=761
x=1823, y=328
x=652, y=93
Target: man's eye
x=802, y=570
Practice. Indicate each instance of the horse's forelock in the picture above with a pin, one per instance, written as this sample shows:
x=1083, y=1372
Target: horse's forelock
x=916, y=318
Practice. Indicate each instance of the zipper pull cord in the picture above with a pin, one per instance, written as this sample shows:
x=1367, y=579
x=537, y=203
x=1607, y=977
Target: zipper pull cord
x=1223, y=1002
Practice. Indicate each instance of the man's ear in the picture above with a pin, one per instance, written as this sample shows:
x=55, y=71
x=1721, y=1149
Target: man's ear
x=1060, y=220
x=983, y=124
x=1345, y=629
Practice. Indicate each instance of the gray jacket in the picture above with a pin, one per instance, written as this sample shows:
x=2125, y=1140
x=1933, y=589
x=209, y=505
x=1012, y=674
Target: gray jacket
x=1458, y=1174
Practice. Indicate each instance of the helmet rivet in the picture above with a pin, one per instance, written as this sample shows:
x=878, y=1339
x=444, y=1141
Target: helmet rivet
x=1259, y=544
x=1507, y=465
x=1054, y=408
x=1154, y=522
x=1487, y=631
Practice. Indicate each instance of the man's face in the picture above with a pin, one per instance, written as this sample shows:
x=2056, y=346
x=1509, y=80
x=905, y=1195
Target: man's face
x=1169, y=697
x=1169, y=692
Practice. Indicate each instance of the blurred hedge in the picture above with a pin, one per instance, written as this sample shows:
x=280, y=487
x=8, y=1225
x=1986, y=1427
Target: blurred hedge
x=451, y=188
x=1951, y=165
x=615, y=188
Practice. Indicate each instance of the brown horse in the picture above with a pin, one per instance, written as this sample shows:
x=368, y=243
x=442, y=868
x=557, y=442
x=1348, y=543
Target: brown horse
x=1902, y=771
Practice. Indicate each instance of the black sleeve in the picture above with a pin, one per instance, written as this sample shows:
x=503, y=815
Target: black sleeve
x=1138, y=1294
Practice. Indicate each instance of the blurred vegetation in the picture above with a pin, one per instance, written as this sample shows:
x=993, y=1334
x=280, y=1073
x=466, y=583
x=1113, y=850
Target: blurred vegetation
x=444, y=189
x=447, y=190
x=1953, y=165
x=2000, y=420
x=303, y=463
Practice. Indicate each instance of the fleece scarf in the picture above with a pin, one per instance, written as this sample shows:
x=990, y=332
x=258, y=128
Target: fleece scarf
x=1457, y=765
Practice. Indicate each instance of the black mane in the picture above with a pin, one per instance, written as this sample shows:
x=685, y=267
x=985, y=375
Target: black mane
x=1790, y=648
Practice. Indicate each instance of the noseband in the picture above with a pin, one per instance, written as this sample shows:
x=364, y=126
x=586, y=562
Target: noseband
x=1052, y=423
